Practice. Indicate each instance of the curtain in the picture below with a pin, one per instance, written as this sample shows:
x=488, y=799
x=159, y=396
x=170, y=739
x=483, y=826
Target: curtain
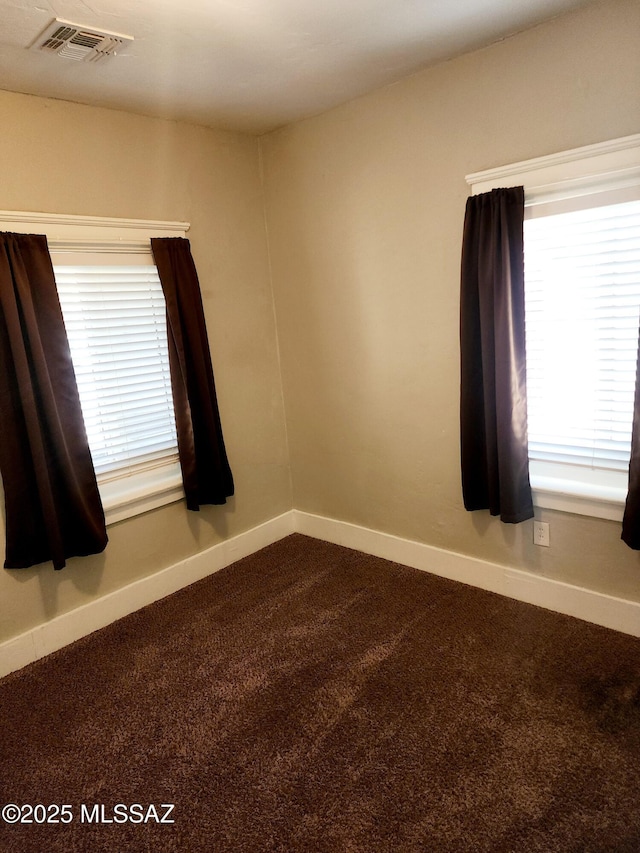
x=52, y=504
x=631, y=518
x=206, y=474
x=493, y=406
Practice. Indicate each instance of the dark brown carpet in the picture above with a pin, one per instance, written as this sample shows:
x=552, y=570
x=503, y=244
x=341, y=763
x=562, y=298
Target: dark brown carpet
x=311, y=698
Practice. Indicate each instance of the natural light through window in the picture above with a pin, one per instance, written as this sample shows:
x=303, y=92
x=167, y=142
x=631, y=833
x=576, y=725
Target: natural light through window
x=582, y=274
x=582, y=300
x=116, y=323
x=115, y=316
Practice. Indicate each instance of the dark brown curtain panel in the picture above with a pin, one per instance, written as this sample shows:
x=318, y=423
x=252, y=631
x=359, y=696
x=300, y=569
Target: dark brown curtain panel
x=631, y=518
x=52, y=503
x=206, y=474
x=493, y=407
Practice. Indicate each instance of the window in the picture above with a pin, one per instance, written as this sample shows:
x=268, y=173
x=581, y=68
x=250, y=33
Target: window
x=582, y=291
x=116, y=325
x=114, y=313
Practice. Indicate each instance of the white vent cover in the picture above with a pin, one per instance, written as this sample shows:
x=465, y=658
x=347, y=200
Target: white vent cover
x=83, y=44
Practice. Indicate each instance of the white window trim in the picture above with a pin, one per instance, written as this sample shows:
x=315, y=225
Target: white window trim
x=570, y=493
x=611, y=165
x=140, y=492
x=581, y=171
x=157, y=485
x=90, y=228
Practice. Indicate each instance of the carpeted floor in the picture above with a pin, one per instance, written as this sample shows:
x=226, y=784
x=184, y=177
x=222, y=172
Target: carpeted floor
x=311, y=698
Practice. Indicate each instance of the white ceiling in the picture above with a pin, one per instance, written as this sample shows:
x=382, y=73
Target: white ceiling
x=250, y=65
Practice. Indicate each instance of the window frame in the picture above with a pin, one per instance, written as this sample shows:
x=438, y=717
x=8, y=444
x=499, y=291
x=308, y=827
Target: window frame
x=613, y=165
x=129, y=494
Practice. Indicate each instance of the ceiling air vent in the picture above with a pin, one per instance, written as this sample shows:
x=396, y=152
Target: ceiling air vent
x=83, y=44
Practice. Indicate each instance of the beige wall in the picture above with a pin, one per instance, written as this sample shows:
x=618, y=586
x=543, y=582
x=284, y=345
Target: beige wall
x=364, y=208
x=65, y=158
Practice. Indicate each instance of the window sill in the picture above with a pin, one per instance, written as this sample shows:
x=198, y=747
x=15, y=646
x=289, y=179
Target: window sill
x=572, y=491
x=133, y=494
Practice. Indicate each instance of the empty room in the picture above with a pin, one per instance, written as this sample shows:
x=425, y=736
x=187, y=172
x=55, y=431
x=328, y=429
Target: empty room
x=320, y=426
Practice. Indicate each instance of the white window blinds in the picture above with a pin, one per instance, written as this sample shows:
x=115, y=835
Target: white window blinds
x=116, y=324
x=582, y=274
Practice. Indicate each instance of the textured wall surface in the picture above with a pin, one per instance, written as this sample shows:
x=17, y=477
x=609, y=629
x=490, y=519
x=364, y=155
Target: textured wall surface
x=365, y=206
x=65, y=158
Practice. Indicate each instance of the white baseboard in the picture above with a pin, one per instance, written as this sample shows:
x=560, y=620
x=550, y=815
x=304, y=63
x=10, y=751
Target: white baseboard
x=605, y=610
x=68, y=627
x=598, y=608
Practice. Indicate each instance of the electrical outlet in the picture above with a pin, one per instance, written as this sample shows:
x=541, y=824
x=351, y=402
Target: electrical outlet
x=541, y=533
